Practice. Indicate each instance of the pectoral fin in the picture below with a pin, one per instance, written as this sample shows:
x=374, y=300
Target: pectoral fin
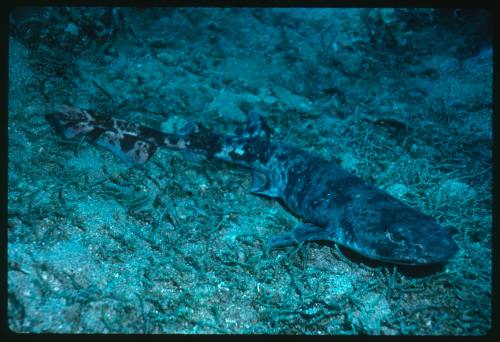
x=262, y=185
x=301, y=232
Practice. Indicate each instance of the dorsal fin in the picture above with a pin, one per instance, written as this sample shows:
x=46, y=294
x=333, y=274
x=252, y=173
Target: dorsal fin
x=256, y=127
x=193, y=127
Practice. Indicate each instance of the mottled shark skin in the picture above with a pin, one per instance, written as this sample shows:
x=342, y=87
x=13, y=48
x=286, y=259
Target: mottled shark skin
x=335, y=204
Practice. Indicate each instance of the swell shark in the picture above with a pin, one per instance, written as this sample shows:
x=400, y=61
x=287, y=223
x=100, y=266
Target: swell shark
x=334, y=204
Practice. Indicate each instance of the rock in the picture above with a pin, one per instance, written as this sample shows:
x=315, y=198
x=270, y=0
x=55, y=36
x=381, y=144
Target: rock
x=167, y=58
x=173, y=124
x=72, y=29
x=397, y=190
x=455, y=191
x=348, y=161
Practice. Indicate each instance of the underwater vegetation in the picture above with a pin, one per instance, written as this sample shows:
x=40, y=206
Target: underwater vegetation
x=401, y=98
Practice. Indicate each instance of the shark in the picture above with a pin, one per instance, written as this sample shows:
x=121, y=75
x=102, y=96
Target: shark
x=334, y=204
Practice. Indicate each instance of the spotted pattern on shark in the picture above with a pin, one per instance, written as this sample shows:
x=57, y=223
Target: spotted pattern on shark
x=334, y=204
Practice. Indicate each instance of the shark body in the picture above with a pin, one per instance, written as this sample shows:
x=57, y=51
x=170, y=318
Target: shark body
x=335, y=204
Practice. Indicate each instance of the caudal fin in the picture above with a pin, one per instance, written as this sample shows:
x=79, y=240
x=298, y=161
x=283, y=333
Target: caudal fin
x=70, y=121
x=131, y=143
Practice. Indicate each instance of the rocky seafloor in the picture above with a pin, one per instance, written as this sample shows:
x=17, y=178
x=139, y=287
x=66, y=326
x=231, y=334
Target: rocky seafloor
x=400, y=97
